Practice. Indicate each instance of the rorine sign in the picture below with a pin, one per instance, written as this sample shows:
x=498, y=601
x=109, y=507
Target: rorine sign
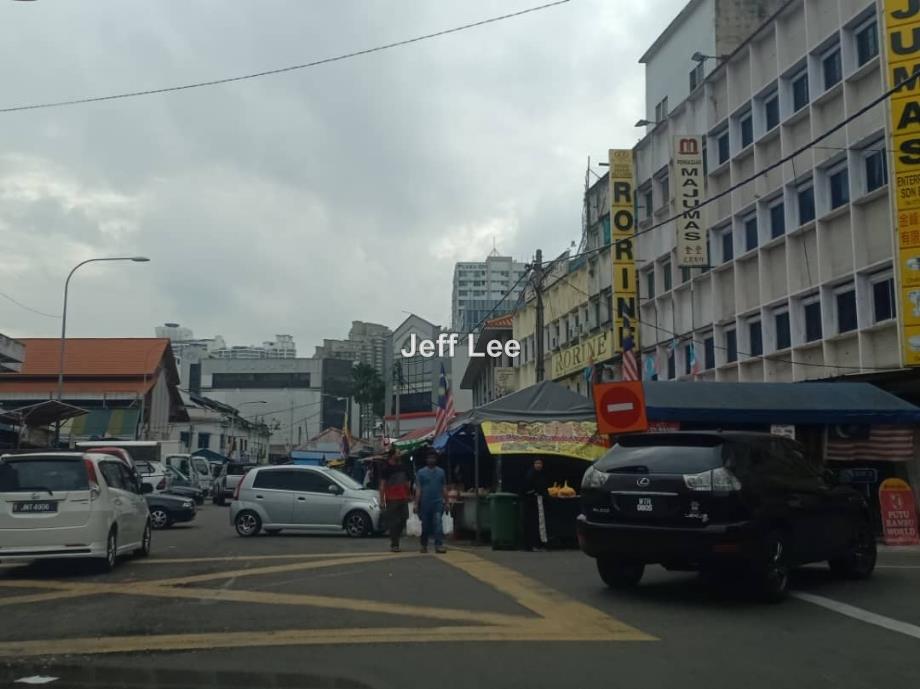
x=688, y=176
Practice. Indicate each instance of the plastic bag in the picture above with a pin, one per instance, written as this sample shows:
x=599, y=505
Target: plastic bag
x=413, y=524
x=447, y=524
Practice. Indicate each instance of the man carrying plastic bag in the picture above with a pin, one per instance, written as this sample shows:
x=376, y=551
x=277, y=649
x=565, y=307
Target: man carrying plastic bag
x=431, y=501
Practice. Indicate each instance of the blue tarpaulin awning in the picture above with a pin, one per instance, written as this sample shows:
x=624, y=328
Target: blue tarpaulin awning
x=779, y=403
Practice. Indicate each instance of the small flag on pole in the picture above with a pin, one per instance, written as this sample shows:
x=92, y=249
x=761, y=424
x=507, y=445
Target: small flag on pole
x=445, y=405
x=630, y=363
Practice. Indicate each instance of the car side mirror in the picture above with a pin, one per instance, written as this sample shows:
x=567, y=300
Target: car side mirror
x=146, y=488
x=335, y=488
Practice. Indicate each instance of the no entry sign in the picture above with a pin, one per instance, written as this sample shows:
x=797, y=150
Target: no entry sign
x=899, y=512
x=620, y=407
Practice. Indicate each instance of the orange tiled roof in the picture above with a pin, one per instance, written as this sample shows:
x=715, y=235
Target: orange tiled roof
x=97, y=356
x=501, y=322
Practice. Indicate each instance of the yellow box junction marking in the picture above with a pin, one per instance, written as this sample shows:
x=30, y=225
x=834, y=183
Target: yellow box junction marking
x=555, y=617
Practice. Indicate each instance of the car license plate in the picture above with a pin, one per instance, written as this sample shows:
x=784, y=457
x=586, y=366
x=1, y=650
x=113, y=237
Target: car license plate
x=645, y=505
x=34, y=507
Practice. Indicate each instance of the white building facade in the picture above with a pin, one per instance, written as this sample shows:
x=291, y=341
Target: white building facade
x=800, y=284
x=480, y=286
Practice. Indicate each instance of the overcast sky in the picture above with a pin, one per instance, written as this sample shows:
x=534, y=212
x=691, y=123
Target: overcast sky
x=296, y=203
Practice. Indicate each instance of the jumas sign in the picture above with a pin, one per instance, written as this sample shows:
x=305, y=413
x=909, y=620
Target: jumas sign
x=688, y=182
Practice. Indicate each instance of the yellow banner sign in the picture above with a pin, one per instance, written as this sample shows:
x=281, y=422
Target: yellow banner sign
x=623, y=237
x=688, y=183
x=582, y=355
x=576, y=439
x=902, y=28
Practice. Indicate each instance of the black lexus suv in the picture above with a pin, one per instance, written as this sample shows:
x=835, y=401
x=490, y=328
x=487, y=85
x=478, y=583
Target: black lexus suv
x=718, y=502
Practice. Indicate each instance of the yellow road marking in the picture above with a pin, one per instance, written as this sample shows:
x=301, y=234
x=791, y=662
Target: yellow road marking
x=39, y=597
x=231, y=558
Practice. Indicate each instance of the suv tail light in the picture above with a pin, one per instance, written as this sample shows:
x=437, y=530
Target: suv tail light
x=236, y=493
x=91, y=478
x=719, y=480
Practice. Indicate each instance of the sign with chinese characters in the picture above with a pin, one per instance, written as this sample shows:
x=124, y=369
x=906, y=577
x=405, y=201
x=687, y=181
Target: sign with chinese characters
x=899, y=512
x=578, y=439
x=623, y=250
x=688, y=187
x=504, y=380
x=577, y=357
x=783, y=429
x=902, y=49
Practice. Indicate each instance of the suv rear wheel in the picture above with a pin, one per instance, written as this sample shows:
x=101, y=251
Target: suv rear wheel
x=859, y=560
x=107, y=563
x=773, y=573
x=619, y=575
x=248, y=523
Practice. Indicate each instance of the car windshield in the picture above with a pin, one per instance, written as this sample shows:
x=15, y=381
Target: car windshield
x=21, y=475
x=346, y=480
x=680, y=455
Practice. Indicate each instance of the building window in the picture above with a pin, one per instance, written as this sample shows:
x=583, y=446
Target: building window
x=650, y=284
x=684, y=274
x=876, y=167
x=839, y=183
x=747, y=130
x=731, y=346
x=800, y=91
x=777, y=220
x=709, y=353
x=666, y=272
x=727, y=248
x=705, y=268
x=755, y=335
x=672, y=371
x=846, y=310
x=882, y=298
x=783, y=334
x=771, y=111
x=649, y=203
x=813, y=327
x=204, y=441
x=665, y=189
x=806, y=198
x=831, y=66
x=750, y=232
x=687, y=357
x=722, y=145
x=866, y=42
x=661, y=110
x=696, y=76
x=185, y=439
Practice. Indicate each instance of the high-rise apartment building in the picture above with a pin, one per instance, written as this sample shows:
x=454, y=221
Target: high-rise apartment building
x=480, y=290
x=366, y=343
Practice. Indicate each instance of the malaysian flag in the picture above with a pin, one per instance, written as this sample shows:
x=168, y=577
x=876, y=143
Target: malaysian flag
x=867, y=443
x=630, y=362
x=445, y=405
x=693, y=360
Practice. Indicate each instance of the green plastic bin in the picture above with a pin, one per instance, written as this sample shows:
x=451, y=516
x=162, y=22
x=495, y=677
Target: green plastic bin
x=505, y=519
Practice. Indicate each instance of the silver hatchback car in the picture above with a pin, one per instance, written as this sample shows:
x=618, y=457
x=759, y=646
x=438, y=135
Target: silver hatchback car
x=303, y=498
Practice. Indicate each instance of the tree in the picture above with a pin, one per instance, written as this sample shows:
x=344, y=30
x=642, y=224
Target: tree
x=369, y=391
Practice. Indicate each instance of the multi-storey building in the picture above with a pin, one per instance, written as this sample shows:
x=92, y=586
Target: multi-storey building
x=484, y=289
x=367, y=343
x=12, y=353
x=800, y=280
x=282, y=347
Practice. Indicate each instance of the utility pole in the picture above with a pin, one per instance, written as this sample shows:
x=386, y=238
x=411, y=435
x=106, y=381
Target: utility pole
x=291, y=429
x=538, y=289
x=397, y=375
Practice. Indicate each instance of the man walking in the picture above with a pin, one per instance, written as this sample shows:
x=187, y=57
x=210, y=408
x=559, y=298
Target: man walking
x=395, y=492
x=431, y=501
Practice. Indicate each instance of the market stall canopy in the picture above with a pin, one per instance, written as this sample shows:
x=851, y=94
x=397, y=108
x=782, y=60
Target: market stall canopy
x=779, y=403
x=546, y=401
x=41, y=414
x=414, y=438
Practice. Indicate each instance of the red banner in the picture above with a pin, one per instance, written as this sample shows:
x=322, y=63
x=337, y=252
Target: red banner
x=899, y=512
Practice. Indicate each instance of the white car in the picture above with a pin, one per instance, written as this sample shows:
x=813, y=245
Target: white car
x=71, y=505
x=154, y=474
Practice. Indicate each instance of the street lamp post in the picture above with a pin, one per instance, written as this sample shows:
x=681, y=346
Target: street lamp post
x=60, y=385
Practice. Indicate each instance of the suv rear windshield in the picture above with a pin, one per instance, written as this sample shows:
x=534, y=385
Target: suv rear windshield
x=664, y=455
x=22, y=475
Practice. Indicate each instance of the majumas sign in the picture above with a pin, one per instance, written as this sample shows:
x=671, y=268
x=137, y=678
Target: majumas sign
x=688, y=186
x=902, y=30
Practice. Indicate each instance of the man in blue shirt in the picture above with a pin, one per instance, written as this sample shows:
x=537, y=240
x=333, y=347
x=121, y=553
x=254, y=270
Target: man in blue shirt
x=431, y=501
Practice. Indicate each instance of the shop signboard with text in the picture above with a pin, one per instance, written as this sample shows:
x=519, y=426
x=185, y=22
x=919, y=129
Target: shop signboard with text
x=578, y=439
x=622, y=177
x=586, y=353
x=688, y=189
x=899, y=512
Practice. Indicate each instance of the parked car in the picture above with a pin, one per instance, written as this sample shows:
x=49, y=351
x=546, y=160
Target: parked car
x=303, y=498
x=712, y=501
x=230, y=477
x=154, y=474
x=181, y=485
x=195, y=468
x=166, y=509
x=71, y=505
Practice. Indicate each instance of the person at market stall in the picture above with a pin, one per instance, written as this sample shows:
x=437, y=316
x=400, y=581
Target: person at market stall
x=395, y=493
x=431, y=501
x=536, y=489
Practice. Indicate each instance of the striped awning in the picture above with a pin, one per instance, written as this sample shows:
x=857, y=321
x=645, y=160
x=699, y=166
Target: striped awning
x=106, y=423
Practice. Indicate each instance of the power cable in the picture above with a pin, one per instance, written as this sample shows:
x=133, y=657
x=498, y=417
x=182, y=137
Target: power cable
x=28, y=308
x=769, y=168
x=281, y=70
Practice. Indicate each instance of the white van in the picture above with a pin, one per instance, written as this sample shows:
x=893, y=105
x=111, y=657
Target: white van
x=196, y=468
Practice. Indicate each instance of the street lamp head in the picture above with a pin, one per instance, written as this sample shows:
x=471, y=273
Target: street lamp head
x=644, y=123
x=698, y=56
x=140, y=259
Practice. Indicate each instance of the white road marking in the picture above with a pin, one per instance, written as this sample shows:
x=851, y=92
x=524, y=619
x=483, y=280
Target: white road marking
x=36, y=679
x=860, y=614
x=621, y=406
x=897, y=566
